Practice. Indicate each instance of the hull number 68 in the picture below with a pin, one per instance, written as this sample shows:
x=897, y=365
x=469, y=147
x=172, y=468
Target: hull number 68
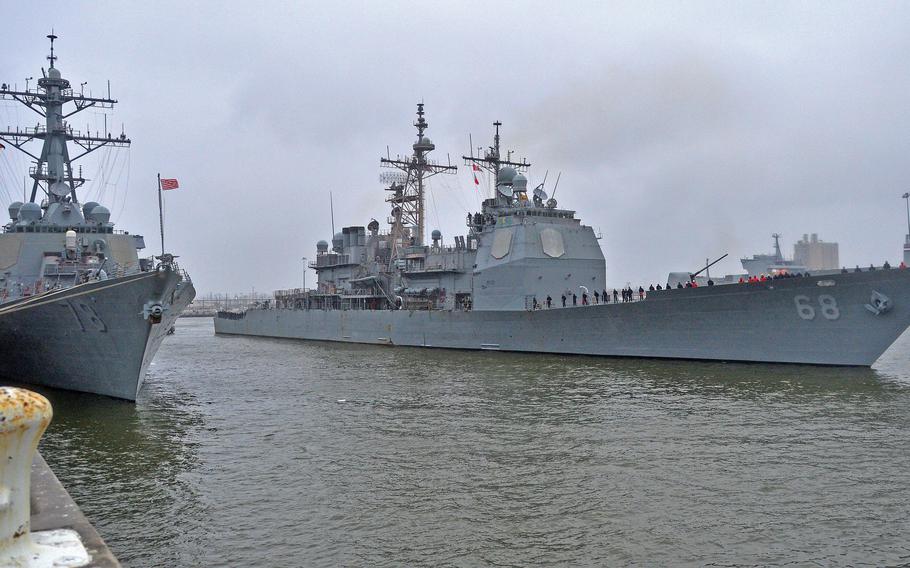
x=827, y=306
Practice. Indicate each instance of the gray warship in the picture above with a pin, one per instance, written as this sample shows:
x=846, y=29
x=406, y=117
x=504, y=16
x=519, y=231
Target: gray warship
x=514, y=280
x=79, y=309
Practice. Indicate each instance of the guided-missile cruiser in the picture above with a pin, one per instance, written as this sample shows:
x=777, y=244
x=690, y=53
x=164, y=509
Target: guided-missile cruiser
x=529, y=276
x=79, y=309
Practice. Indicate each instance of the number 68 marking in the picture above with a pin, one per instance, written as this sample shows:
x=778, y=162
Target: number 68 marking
x=826, y=303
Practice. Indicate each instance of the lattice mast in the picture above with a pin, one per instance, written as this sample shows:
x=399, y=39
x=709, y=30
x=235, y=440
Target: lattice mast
x=408, y=198
x=53, y=169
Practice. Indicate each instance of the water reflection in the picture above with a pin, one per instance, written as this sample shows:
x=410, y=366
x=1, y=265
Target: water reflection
x=335, y=454
x=129, y=464
x=502, y=376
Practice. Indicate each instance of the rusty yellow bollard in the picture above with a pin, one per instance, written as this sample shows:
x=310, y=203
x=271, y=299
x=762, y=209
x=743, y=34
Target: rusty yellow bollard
x=24, y=415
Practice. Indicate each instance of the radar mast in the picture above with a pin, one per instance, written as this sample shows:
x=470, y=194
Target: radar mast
x=778, y=257
x=492, y=160
x=408, y=197
x=53, y=169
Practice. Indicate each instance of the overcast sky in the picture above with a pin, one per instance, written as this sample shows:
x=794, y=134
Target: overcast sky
x=682, y=130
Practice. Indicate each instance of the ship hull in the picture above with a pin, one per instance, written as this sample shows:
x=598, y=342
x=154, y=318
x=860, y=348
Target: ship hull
x=95, y=337
x=841, y=319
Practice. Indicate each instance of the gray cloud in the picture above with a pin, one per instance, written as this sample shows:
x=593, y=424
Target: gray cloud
x=682, y=130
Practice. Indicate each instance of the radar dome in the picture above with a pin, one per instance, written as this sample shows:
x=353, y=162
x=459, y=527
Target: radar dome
x=506, y=175
x=29, y=212
x=87, y=208
x=322, y=246
x=101, y=214
x=424, y=143
x=519, y=183
x=14, y=210
x=53, y=73
x=436, y=234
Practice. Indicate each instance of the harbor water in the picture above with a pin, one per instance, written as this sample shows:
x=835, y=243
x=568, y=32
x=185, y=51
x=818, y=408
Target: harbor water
x=259, y=452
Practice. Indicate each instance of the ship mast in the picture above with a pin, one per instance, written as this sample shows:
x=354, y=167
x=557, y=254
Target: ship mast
x=778, y=257
x=408, y=198
x=53, y=169
x=492, y=161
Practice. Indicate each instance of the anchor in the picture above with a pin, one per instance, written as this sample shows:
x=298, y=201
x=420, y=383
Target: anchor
x=879, y=304
x=153, y=311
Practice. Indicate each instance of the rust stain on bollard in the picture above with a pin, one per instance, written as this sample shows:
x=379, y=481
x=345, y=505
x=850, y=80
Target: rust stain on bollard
x=24, y=416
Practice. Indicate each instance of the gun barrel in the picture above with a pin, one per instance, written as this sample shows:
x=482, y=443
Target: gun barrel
x=709, y=266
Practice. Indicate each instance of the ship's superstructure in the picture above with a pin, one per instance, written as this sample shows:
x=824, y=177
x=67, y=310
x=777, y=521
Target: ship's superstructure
x=517, y=250
x=529, y=276
x=771, y=264
x=54, y=249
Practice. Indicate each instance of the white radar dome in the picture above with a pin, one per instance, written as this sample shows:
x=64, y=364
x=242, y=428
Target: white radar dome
x=424, y=143
x=29, y=212
x=519, y=183
x=101, y=214
x=506, y=175
x=87, y=208
x=14, y=209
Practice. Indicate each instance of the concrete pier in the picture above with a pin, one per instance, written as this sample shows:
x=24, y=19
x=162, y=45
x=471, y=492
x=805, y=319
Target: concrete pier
x=52, y=508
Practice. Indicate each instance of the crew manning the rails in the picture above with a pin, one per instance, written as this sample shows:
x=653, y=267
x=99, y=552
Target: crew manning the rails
x=629, y=294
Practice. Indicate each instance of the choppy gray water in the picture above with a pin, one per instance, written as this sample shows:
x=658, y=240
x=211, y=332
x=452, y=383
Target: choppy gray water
x=240, y=452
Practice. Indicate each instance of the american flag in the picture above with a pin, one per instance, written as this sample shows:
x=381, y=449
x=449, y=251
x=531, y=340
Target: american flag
x=169, y=183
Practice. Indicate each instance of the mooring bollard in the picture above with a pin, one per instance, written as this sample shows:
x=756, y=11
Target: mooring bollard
x=24, y=415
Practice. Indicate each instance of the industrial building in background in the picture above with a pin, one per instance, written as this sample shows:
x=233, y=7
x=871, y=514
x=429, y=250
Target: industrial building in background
x=816, y=254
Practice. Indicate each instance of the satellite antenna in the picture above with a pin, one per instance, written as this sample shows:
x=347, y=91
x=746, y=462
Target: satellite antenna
x=60, y=188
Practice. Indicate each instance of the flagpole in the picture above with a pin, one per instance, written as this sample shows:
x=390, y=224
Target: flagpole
x=161, y=214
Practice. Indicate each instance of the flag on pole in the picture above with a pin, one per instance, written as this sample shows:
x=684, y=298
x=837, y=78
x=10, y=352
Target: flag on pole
x=167, y=184
x=476, y=169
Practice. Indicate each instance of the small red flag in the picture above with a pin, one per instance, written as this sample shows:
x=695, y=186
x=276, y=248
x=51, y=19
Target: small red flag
x=476, y=167
x=169, y=184
x=476, y=181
